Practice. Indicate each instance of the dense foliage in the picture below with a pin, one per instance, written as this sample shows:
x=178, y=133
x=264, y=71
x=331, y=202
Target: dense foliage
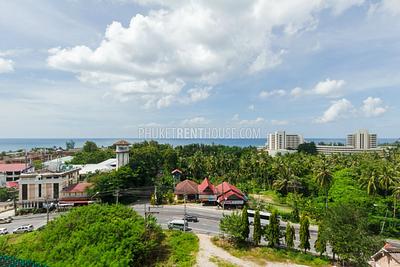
x=97, y=235
x=91, y=154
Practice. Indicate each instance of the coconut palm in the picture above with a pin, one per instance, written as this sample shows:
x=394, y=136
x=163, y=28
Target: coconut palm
x=323, y=177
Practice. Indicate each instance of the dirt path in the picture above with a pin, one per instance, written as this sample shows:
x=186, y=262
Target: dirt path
x=208, y=249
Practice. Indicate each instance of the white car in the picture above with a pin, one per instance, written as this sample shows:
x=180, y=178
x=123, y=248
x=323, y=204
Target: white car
x=23, y=229
x=3, y=231
x=178, y=224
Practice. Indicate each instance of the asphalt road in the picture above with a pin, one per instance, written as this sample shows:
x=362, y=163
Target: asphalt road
x=209, y=218
x=37, y=220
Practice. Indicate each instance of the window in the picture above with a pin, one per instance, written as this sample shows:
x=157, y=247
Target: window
x=40, y=190
x=56, y=190
x=24, y=192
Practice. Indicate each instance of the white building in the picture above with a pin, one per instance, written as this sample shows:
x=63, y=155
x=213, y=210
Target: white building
x=330, y=149
x=362, y=139
x=282, y=141
x=122, y=151
x=105, y=166
x=38, y=187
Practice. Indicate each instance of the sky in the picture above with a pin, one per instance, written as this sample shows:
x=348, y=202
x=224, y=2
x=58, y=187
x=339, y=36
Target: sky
x=107, y=68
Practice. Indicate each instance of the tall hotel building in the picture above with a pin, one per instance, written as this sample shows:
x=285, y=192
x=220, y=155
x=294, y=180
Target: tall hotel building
x=362, y=139
x=282, y=141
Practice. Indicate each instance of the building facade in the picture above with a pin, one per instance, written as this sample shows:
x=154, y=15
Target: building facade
x=362, y=139
x=37, y=188
x=330, y=149
x=281, y=141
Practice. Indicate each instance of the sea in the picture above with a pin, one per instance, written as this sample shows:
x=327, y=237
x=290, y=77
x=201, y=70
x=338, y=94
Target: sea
x=15, y=144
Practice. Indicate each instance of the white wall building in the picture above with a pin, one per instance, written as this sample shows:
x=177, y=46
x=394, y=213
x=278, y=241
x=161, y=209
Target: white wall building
x=282, y=141
x=362, y=139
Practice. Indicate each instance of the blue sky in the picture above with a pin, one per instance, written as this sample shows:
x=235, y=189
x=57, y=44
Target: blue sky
x=104, y=68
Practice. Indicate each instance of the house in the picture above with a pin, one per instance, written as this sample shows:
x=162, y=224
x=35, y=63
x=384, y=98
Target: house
x=11, y=172
x=38, y=187
x=228, y=194
x=76, y=194
x=207, y=192
x=388, y=256
x=186, y=188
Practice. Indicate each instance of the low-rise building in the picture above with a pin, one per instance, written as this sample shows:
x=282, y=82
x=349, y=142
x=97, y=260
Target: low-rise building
x=330, y=149
x=76, y=194
x=207, y=192
x=230, y=195
x=388, y=256
x=36, y=188
x=12, y=172
x=104, y=166
x=186, y=188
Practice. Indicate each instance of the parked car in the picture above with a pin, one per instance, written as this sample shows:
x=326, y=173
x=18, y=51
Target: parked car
x=23, y=229
x=177, y=224
x=190, y=218
x=3, y=231
x=6, y=220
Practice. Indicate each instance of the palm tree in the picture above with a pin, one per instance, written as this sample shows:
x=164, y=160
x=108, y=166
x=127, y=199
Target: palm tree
x=386, y=177
x=323, y=178
x=370, y=180
x=396, y=195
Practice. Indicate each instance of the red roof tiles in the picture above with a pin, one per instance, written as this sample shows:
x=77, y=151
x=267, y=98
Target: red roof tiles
x=14, y=167
x=206, y=187
x=186, y=187
x=77, y=188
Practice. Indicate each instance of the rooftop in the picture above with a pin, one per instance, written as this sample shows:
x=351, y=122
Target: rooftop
x=122, y=143
x=14, y=167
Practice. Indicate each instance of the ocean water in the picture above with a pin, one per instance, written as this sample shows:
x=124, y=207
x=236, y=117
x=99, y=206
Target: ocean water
x=14, y=144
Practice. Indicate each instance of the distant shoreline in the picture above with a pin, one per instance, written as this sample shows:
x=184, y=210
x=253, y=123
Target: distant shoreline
x=15, y=144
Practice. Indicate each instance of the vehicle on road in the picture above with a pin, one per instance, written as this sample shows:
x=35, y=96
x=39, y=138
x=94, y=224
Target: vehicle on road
x=6, y=220
x=23, y=229
x=177, y=224
x=3, y=231
x=190, y=218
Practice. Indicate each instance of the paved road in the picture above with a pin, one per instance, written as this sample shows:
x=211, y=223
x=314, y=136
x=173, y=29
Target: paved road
x=37, y=220
x=209, y=218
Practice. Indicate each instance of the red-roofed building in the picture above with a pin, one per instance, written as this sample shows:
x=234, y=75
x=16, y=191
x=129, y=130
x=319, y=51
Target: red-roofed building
x=388, y=256
x=207, y=192
x=228, y=194
x=11, y=172
x=188, y=188
x=76, y=194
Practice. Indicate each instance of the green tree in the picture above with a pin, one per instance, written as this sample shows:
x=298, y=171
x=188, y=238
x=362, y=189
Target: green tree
x=245, y=223
x=257, y=228
x=90, y=146
x=289, y=235
x=38, y=164
x=70, y=144
x=320, y=243
x=304, y=233
x=273, y=231
x=232, y=225
x=346, y=229
x=308, y=148
x=323, y=178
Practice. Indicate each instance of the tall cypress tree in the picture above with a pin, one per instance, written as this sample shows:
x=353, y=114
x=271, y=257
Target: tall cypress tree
x=245, y=224
x=273, y=230
x=257, y=228
x=289, y=236
x=320, y=243
x=304, y=233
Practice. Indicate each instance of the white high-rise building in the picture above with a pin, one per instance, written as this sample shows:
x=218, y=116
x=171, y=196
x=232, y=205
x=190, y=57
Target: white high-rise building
x=362, y=139
x=282, y=141
x=122, y=151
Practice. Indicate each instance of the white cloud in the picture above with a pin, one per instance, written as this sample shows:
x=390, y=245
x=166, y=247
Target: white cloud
x=296, y=92
x=391, y=7
x=339, y=109
x=196, y=121
x=332, y=88
x=339, y=6
x=373, y=107
x=159, y=56
x=267, y=94
x=253, y=122
x=6, y=65
x=251, y=107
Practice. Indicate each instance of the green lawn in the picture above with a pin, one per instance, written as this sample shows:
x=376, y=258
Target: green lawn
x=261, y=255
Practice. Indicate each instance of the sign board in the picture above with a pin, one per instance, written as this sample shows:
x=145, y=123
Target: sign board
x=234, y=202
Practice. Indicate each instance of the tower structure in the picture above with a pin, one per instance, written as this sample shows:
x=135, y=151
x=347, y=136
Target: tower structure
x=122, y=151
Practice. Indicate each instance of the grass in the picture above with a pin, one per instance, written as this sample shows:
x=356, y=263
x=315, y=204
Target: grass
x=221, y=262
x=261, y=255
x=182, y=248
x=272, y=199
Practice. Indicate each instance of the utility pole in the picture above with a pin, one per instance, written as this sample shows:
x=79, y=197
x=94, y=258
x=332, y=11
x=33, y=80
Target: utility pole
x=116, y=196
x=47, y=209
x=184, y=216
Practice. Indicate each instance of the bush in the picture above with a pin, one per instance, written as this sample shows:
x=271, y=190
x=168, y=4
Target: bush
x=95, y=235
x=183, y=247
